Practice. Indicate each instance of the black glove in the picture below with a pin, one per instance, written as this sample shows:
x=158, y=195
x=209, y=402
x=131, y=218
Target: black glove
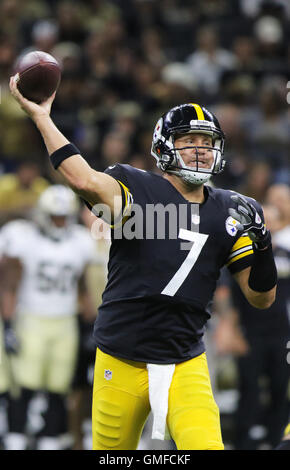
x=11, y=343
x=250, y=221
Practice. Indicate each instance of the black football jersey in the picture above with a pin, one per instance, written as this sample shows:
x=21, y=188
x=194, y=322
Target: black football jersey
x=164, y=263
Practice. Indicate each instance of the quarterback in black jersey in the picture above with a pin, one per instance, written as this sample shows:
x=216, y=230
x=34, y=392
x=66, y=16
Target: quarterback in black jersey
x=171, y=235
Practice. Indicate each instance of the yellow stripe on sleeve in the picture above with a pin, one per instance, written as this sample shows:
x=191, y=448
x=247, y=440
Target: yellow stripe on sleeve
x=126, y=191
x=243, y=247
x=128, y=198
x=242, y=255
x=127, y=205
x=244, y=240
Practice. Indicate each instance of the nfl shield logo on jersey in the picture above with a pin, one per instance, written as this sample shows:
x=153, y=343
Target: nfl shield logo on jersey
x=195, y=219
x=108, y=374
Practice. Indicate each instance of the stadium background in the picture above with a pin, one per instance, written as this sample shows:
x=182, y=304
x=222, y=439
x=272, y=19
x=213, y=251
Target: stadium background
x=126, y=62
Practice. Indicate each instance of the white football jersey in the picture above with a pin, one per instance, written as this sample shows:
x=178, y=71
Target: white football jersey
x=51, y=269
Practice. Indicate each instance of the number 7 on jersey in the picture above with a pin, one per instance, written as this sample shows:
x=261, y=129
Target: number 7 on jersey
x=179, y=277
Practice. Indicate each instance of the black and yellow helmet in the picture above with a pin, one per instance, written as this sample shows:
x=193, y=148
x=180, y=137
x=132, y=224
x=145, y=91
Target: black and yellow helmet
x=183, y=119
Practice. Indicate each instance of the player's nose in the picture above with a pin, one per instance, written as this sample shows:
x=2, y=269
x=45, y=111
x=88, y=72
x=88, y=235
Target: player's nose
x=202, y=151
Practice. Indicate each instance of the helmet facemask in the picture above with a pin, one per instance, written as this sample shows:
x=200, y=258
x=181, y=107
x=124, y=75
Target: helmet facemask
x=196, y=173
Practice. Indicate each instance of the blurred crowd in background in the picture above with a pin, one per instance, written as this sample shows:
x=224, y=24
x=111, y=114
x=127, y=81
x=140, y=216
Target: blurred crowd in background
x=124, y=63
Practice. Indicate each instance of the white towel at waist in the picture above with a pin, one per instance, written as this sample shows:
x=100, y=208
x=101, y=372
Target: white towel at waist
x=160, y=376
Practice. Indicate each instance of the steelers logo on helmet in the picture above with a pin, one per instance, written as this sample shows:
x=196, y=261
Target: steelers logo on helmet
x=188, y=118
x=157, y=130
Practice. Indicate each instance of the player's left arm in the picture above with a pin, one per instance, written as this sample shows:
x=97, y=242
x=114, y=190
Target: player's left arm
x=258, y=281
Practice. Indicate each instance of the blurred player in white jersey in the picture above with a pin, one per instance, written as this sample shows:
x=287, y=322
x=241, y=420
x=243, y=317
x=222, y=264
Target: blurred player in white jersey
x=44, y=287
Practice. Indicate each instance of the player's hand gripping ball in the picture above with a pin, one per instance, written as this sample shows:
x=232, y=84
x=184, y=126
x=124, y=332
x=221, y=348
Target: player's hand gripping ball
x=38, y=75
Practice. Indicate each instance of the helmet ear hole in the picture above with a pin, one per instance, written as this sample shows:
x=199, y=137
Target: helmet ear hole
x=167, y=160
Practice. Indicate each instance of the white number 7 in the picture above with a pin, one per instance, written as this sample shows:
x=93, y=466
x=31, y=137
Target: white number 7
x=179, y=277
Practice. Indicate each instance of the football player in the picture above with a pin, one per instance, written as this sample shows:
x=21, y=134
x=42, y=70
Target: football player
x=43, y=279
x=161, y=279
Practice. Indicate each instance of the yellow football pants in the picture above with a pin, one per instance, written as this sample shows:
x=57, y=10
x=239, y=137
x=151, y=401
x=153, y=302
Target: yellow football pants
x=121, y=405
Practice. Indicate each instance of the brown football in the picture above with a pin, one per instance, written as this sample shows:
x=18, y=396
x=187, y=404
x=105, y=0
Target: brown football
x=39, y=75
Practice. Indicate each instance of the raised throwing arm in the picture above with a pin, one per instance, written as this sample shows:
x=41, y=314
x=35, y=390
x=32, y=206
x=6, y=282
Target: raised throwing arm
x=93, y=186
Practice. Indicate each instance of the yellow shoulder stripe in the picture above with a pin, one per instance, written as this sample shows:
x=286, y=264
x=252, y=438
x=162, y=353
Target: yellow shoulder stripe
x=127, y=205
x=126, y=192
